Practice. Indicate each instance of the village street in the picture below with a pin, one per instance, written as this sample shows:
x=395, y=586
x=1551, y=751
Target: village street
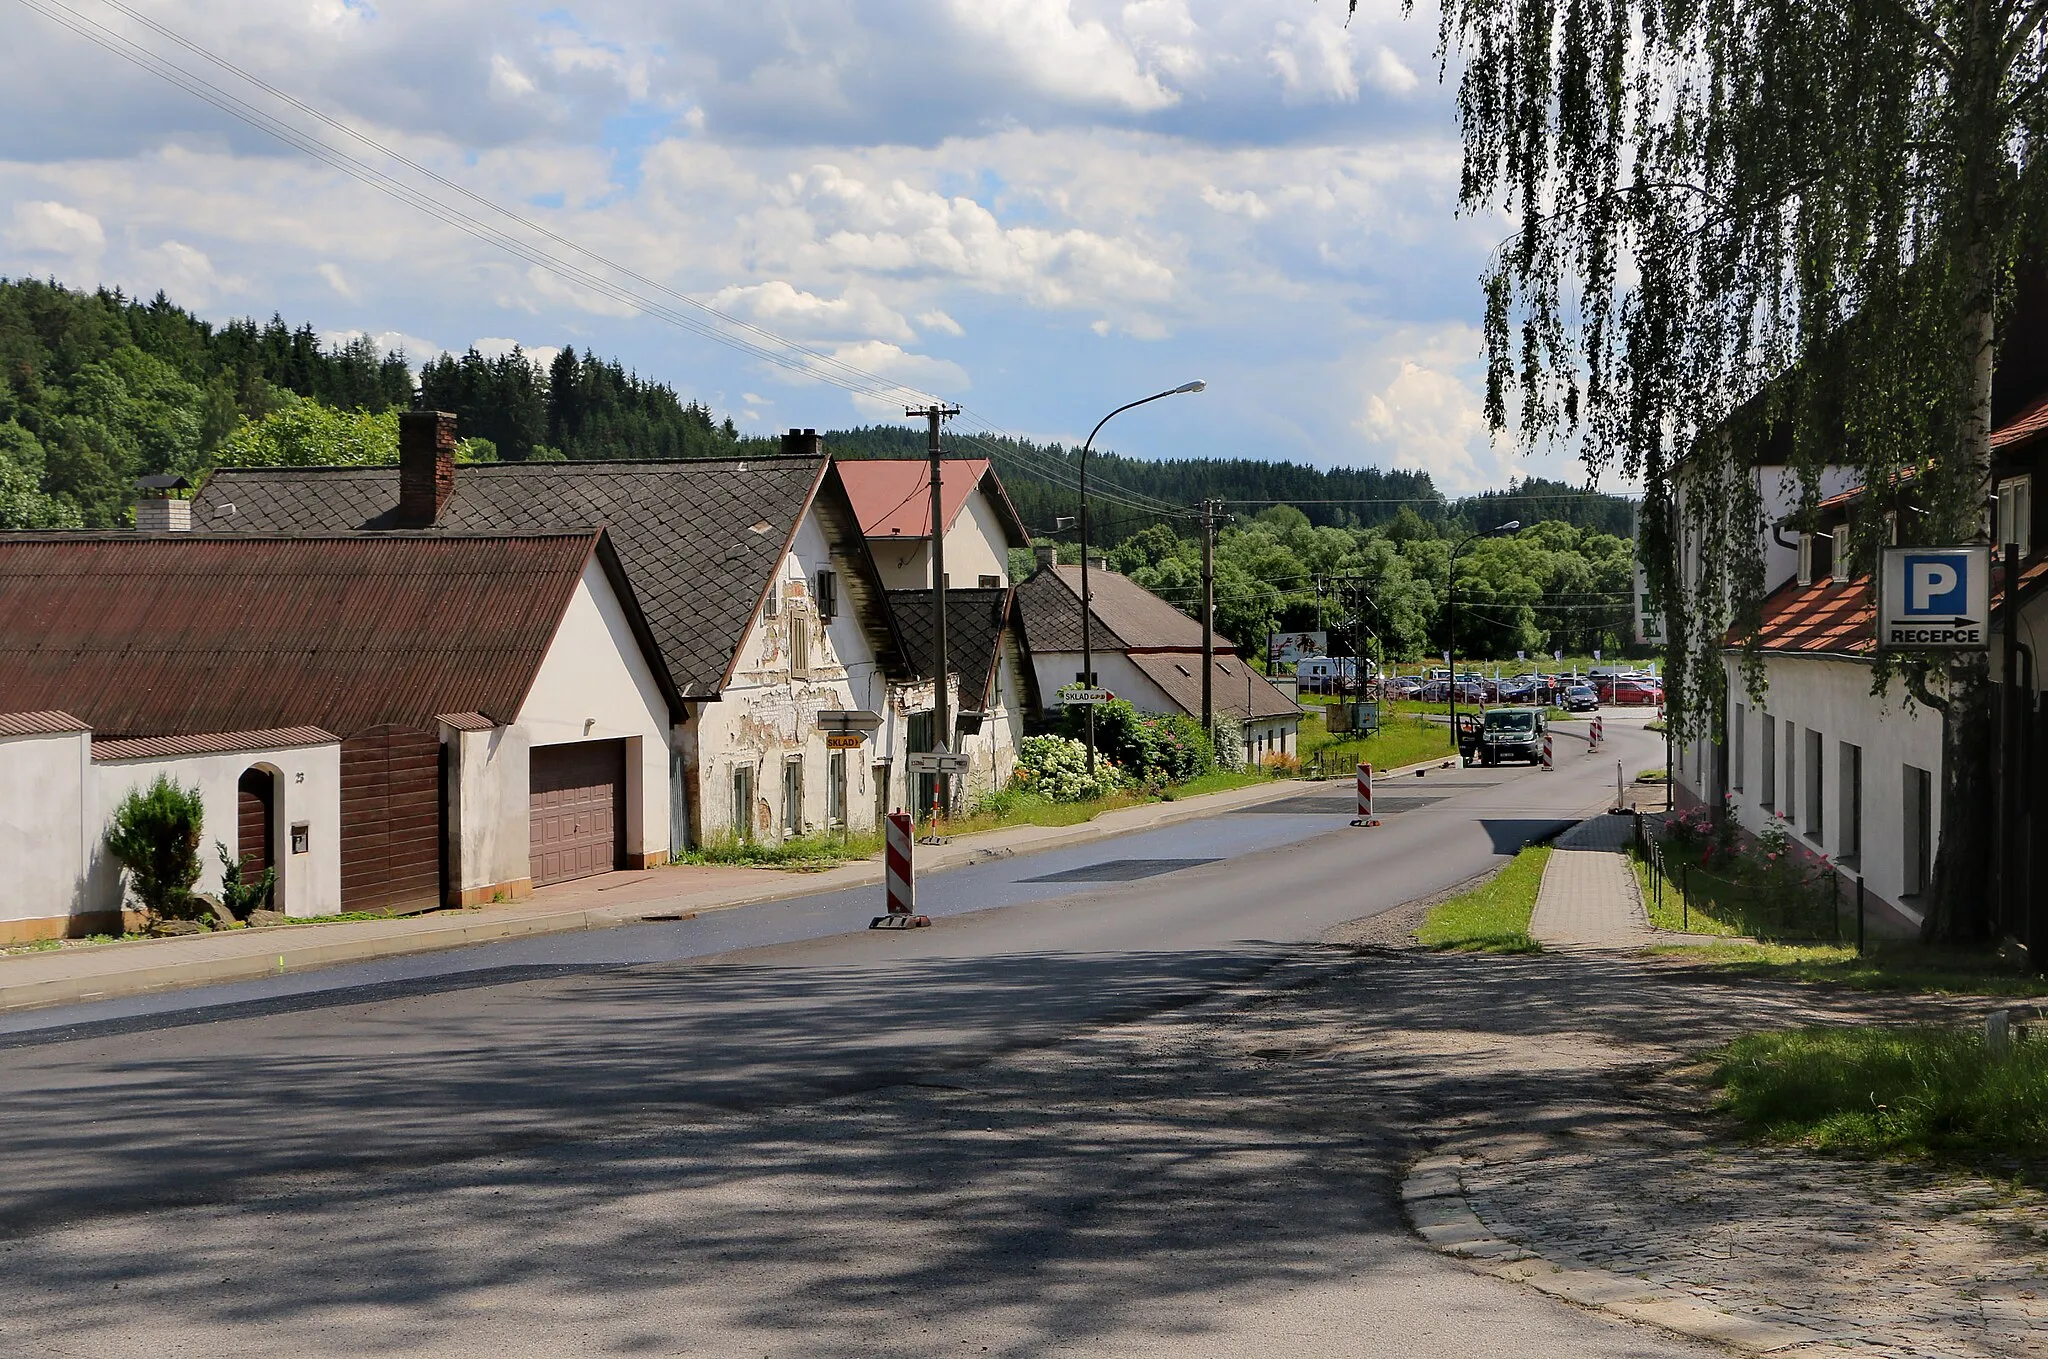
x=1002, y=1132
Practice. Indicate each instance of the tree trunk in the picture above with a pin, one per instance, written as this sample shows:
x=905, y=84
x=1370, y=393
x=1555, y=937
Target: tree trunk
x=1959, y=904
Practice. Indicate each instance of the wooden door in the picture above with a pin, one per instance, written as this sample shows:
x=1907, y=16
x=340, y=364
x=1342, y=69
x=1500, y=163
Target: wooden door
x=391, y=821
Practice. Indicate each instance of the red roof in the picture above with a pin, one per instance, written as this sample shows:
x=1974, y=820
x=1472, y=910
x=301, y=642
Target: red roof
x=1823, y=619
x=40, y=724
x=2023, y=426
x=211, y=743
x=171, y=635
x=893, y=497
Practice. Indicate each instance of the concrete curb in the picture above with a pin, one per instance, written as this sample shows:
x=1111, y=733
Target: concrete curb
x=304, y=948
x=1433, y=1196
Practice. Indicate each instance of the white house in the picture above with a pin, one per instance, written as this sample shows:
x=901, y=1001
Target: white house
x=893, y=499
x=390, y=721
x=1148, y=652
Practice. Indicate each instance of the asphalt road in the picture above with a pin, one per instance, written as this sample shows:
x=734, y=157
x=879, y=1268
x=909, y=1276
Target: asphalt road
x=688, y=1137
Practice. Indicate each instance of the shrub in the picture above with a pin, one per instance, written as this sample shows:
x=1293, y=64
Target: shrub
x=1228, y=747
x=1056, y=768
x=155, y=832
x=1155, y=749
x=242, y=898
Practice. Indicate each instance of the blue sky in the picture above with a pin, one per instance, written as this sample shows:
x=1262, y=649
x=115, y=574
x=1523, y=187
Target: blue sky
x=1039, y=208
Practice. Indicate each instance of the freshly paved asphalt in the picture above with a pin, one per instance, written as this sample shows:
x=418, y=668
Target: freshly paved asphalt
x=141, y=1135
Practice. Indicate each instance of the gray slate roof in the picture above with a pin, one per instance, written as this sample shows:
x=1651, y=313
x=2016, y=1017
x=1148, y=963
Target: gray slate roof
x=699, y=539
x=1128, y=617
x=974, y=631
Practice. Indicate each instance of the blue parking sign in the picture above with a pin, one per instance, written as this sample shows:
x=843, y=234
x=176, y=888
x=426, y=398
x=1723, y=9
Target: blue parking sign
x=1935, y=599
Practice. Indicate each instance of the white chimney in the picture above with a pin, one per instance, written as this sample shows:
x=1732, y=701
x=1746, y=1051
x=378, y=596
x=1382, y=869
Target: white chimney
x=160, y=509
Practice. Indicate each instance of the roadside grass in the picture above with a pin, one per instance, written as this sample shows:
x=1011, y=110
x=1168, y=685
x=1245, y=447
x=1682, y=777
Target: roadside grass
x=1400, y=741
x=803, y=853
x=1494, y=916
x=1910, y=1092
x=1887, y=966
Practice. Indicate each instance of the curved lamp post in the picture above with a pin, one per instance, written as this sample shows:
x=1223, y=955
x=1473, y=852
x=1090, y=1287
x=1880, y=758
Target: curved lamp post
x=1087, y=612
x=1451, y=608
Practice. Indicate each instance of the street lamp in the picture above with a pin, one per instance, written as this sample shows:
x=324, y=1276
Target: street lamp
x=1087, y=612
x=1451, y=609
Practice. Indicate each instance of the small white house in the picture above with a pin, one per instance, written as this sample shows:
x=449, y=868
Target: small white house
x=893, y=499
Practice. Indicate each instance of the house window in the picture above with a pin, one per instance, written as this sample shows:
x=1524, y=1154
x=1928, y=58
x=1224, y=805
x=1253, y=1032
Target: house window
x=835, y=789
x=1918, y=830
x=991, y=582
x=1790, y=807
x=828, y=595
x=1849, y=830
x=1735, y=743
x=771, y=607
x=1841, y=555
x=1814, y=750
x=793, y=796
x=2016, y=513
x=1767, y=776
x=799, y=645
x=743, y=802
x=1806, y=558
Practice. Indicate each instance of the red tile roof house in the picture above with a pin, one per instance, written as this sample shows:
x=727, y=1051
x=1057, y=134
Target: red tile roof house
x=390, y=721
x=763, y=603
x=985, y=656
x=1149, y=652
x=1855, y=777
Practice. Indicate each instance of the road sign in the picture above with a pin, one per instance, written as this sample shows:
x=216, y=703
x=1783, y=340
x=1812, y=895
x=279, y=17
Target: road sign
x=848, y=720
x=844, y=740
x=935, y=762
x=1935, y=599
x=1286, y=648
x=1085, y=696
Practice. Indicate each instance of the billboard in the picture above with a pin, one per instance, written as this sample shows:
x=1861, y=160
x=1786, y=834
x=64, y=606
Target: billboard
x=1285, y=648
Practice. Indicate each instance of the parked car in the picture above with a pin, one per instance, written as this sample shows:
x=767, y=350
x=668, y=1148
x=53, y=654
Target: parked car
x=1512, y=734
x=1402, y=686
x=1580, y=698
x=1630, y=691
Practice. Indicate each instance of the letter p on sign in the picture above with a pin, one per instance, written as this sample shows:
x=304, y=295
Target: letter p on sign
x=1934, y=586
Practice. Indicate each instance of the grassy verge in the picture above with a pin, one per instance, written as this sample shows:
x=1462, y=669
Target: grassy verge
x=1884, y=967
x=805, y=853
x=1493, y=917
x=1400, y=741
x=1894, y=1092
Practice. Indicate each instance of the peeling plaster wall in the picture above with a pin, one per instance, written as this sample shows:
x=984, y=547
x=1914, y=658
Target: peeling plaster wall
x=768, y=717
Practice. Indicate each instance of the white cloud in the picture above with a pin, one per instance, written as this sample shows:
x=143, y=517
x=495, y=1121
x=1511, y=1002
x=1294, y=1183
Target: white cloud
x=1061, y=55
x=56, y=229
x=183, y=271
x=496, y=347
x=1427, y=414
x=508, y=79
x=938, y=320
x=337, y=280
x=1392, y=74
x=416, y=350
x=858, y=312
x=1313, y=60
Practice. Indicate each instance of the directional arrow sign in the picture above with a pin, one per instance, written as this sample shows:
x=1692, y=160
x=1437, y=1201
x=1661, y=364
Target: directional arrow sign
x=1933, y=598
x=1085, y=696
x=935, y=762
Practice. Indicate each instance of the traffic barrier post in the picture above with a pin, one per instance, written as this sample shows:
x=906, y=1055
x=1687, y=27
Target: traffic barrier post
x=1365, y=816
x=899, y=881
x=1549, y=755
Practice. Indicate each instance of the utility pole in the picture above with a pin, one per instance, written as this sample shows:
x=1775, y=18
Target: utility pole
x=942, y=710
x=1209, y=511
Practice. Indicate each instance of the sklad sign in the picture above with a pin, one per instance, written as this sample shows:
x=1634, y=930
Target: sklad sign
x=1935, y=599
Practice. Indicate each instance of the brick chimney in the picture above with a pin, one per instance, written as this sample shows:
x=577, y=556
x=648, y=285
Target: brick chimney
x=160, y=505
x=804, y=442
x=426, y=466
x=1048, y=554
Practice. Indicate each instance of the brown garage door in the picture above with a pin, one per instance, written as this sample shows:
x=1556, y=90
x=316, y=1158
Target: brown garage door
x=579, y=810
x=391, y=820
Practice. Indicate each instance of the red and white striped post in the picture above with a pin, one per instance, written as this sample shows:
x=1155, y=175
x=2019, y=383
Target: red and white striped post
x=1598, y=732
x=1549, y=755
x=898, y=880
x=1365, y=816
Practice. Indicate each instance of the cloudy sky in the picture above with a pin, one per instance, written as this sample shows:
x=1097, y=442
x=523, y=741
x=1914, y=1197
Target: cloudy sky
x=1038, y=208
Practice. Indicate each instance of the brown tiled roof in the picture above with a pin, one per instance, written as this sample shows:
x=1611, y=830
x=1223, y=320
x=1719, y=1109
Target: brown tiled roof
x=173, y=634
x=975, y=620
x=1128, y=617
x=2030, y=421
x=467, y=721
x=893, y=496
x=1823, y=619
x=700, y=539
x=1180, y=675
x=211, y=743
x=40, y=724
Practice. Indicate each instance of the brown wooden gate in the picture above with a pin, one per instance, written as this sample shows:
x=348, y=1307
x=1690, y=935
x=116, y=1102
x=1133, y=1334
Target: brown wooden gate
x=391, y=820
x=255, y=795
x=578, y=810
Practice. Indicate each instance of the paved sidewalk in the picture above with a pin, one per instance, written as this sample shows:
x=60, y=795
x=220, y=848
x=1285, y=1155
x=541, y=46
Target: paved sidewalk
x=1589, y=897
x=105, y=971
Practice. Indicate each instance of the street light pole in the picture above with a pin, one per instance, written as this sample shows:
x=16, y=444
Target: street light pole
x=1087, y=600
x=1451, y=610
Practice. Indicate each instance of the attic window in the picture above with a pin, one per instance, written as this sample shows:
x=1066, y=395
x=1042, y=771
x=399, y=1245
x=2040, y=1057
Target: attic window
x=1184, y=670
x=1224, y=668
x=761, y=527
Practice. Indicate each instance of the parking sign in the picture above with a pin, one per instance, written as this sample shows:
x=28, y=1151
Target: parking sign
x=1935, y=599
